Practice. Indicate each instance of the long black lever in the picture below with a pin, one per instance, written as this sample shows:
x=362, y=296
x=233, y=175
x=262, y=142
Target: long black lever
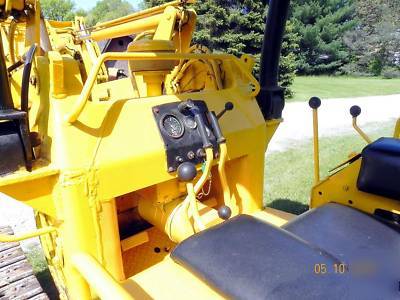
x=228, y=107
x=26, y=74
x=216, y=128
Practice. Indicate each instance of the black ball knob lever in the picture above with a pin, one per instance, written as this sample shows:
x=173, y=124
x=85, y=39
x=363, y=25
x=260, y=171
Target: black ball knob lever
x=224, y=212
x=228, y=107
x=355, y=111
x=187, y=172
x=314, y=102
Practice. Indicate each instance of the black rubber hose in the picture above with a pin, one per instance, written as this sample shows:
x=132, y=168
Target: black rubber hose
x=25, y=78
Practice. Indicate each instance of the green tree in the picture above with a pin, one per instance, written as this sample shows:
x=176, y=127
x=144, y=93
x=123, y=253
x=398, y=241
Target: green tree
x=59, y=10
x=322, y=24
x=107, y=10
x=237, y=27
x=375, y=43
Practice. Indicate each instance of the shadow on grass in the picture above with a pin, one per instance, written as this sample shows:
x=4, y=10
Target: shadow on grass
x=47, y=283
x=289, y=206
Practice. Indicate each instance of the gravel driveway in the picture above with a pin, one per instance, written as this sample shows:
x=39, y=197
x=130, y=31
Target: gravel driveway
x=334, y=120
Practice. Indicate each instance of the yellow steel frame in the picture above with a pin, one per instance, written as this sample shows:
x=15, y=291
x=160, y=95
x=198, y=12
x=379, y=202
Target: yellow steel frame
x=341, y=187
x=87, y=88
x=94, y=158
x=102, y=149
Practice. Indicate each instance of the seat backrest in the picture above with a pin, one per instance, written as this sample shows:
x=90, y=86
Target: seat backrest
x=380, y=168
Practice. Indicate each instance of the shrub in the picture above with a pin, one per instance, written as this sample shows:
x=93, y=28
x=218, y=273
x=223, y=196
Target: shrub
x=391, y=72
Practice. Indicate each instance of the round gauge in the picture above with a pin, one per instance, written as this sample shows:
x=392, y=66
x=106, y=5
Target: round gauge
x=172, y=126
x=190, y=123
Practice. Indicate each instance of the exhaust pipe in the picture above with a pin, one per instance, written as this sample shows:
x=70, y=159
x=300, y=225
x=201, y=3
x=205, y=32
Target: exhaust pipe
x=271, y=98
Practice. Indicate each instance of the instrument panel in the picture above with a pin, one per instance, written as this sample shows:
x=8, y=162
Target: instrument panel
x=180, y=133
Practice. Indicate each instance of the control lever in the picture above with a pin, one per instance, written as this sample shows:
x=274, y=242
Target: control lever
x=189, y=105
x=225, y=211
x=355, y=111
x=187, y=173
x=315, y=103
x=215, y=126
x=228, y=107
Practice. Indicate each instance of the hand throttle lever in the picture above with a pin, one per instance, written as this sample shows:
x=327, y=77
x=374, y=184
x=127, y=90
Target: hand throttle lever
x=228, y=107
x=190, y=106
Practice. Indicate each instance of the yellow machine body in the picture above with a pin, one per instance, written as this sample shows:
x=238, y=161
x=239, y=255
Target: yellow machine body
x=101, y=162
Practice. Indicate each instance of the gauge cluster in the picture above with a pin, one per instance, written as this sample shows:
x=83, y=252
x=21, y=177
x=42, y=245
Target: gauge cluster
x=180, y=133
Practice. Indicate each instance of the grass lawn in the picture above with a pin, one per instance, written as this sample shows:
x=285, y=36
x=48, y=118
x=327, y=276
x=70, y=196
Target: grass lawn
x=36, y=258
x=327, y=87
x=289, y=174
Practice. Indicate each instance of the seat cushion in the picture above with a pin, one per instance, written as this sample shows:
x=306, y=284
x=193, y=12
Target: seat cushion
x=245, y=258
x=380, y=168
x=369, y=248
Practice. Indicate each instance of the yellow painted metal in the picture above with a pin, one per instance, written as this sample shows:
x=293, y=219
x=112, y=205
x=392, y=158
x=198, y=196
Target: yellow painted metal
x=104, y=285
x=110, y=239
x=397, y=129
x=173, y=283
x=341, y=187
x=198, y=223
x=12, y=4
x=32, y=188
x=87, y=88
x=360, y=131
x=11, y=40
x=5, y=238
x=224, y=181
x=142, y=14
x=134, y=241
x=166, y=25
x=125, y=29
x=109, y=160
x=316, y=146
x=273, y=216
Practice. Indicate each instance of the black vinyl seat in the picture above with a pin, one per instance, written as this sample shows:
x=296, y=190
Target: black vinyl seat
x=245, y=258
x=380, y=168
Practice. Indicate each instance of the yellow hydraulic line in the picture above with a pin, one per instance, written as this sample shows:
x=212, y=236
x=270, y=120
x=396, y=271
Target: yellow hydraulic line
x=141, y=14
x=125, y=29
x=360, y=132
x=87, y=88
x=5, y=238
x=316, y=147
x=194, y=208
x=11, y=36
x=104, y=285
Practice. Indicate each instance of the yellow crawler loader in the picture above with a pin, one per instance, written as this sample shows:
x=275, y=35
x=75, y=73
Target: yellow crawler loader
x=147, y=179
